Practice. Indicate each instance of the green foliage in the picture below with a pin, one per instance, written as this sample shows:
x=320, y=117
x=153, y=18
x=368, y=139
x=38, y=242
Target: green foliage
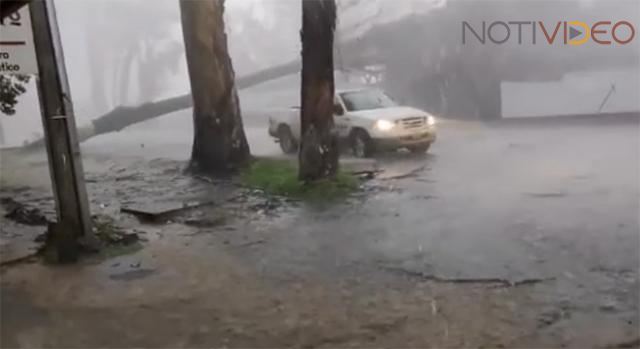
x=11, y=87
x=280, y=177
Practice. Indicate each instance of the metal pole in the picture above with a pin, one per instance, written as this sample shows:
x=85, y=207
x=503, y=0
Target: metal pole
x=65, y=160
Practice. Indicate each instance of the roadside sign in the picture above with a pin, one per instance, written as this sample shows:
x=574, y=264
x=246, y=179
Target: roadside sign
x=17, y=52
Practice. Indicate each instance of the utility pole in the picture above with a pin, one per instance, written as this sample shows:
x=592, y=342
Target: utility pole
x=65, y=161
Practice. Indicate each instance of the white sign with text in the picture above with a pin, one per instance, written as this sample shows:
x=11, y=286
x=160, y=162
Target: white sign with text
x=17, y=52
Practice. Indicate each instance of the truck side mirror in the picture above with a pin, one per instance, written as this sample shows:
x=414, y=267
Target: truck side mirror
x=338, y=110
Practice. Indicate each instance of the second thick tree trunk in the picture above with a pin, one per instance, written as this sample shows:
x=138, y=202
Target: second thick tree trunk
x=318, y=145
x=220, y=145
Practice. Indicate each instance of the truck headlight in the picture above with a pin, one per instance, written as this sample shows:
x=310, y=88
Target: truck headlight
x=384, y=125
x=431, y=121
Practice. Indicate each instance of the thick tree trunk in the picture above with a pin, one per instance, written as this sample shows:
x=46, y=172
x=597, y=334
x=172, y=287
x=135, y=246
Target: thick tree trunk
x=219, y=145
x=318, y=148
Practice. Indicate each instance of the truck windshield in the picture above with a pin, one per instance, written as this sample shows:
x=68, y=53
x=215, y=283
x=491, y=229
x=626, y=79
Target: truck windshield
x=366, y=100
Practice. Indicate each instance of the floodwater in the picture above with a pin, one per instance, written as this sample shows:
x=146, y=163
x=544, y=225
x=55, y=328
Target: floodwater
x=425, y=260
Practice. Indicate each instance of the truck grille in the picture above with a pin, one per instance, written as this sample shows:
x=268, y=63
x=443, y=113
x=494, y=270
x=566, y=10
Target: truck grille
x=414, y=122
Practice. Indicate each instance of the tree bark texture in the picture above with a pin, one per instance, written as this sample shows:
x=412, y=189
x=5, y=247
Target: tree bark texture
x=318, y=154
x=220, y=145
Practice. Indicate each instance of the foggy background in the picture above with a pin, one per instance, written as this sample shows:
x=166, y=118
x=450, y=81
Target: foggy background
x=128, y=52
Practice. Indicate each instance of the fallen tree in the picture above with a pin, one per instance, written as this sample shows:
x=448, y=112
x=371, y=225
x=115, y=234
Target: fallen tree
x=124, y=116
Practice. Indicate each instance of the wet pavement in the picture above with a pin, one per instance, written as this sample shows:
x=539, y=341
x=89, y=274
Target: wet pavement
x=502, y=236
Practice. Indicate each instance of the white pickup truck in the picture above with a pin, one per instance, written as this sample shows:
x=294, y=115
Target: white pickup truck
x=368, y=120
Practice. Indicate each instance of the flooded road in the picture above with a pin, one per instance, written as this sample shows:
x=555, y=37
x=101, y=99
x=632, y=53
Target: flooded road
x=502, y=235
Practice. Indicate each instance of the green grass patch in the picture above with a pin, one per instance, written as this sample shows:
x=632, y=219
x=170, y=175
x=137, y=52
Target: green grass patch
x=280, y=177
